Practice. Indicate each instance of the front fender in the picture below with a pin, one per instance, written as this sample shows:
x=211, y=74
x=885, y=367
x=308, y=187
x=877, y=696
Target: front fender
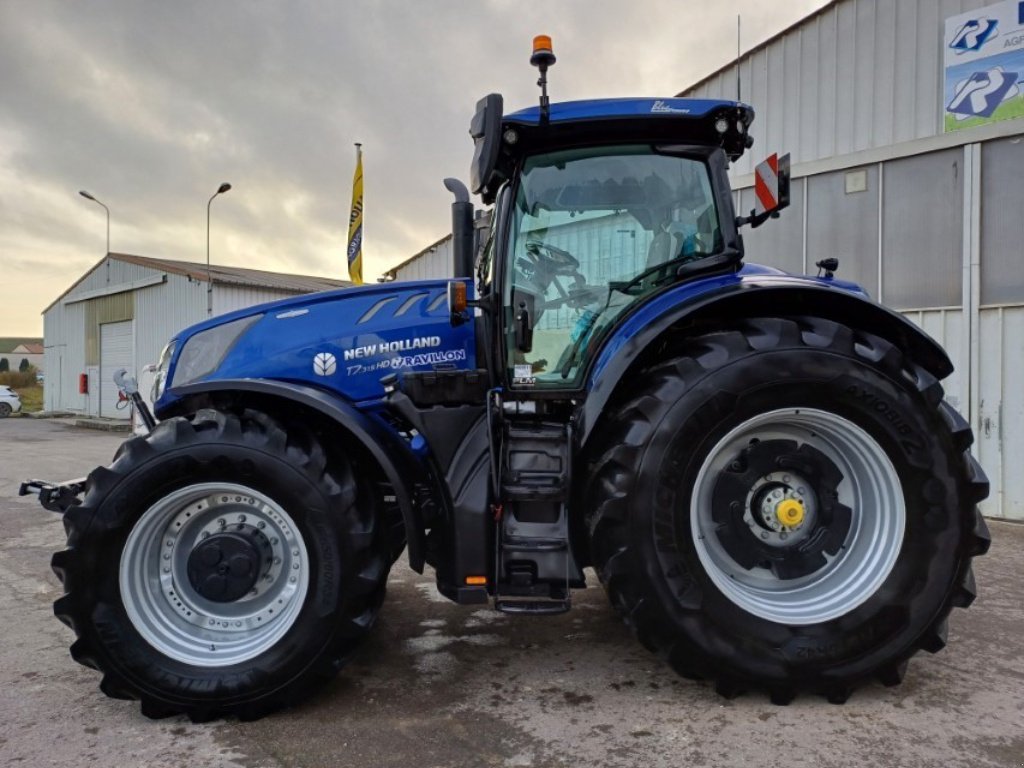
x=726, y=299
x=399, y=464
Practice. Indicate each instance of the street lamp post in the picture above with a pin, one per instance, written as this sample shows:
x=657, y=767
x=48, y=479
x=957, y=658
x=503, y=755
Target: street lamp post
x=209, y=283
x=87, y=196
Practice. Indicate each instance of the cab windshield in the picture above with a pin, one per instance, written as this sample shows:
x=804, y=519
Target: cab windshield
x=593, y=232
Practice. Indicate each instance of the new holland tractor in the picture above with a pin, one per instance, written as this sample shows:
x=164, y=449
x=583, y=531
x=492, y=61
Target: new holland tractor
x=759, y=467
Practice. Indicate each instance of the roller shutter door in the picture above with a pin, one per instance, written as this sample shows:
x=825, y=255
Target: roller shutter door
x=115, y=352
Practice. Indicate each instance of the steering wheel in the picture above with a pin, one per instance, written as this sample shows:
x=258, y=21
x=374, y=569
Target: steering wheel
x=553, y=260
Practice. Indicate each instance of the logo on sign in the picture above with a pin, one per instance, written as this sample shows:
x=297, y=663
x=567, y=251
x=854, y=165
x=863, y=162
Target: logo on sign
x=324, y=364
x=981, y=94
x=974, y=34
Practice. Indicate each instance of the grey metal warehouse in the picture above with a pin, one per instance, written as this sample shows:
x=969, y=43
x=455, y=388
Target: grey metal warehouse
x=122, y=312
x=907, y=175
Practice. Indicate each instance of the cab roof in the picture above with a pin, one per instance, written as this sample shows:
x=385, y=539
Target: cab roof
x=707, y=122
x=605, y=109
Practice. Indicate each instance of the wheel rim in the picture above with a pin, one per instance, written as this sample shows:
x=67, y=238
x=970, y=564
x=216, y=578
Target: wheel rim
x=177, y=618
x=865, y=551
x=5, y=409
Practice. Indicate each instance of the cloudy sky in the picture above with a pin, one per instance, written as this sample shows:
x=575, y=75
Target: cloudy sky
x=150, y=105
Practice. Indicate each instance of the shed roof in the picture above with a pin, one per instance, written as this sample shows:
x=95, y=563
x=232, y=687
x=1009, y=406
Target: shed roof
x=8, y=344
x=221, y=275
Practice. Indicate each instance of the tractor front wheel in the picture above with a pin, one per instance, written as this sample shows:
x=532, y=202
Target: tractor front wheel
x=787, y=505
x=225, y=565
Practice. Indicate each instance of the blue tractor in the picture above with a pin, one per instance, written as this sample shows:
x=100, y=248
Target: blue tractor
x=759, y=467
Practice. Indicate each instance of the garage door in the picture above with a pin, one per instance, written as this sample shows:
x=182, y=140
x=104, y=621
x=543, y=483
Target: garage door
x=115, y=352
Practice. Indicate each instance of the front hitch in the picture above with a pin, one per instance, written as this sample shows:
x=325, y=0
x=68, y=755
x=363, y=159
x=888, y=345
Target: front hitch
x=56, y=497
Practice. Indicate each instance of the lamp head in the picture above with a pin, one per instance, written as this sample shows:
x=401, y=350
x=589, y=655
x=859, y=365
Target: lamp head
x=223, y=188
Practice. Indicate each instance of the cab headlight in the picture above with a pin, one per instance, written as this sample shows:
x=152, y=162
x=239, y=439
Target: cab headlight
x=160, y=377
x=205, y=351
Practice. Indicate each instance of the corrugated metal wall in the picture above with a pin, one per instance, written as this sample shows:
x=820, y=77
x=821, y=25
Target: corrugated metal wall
x=228, y=298
x=436, y=262
x=930, y=224
x=860, y=74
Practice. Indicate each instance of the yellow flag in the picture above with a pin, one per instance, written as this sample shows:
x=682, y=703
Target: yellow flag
x=355, y=223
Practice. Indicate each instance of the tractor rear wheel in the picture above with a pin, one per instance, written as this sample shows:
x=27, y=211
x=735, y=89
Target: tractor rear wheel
x=221, y=566
x=787, y=505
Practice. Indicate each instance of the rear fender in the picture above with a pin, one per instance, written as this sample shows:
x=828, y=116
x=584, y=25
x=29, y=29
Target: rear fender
x=403, y=470
x=636, y=341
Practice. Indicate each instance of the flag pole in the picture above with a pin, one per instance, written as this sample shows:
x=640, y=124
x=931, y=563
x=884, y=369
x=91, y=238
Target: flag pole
x=355, y=222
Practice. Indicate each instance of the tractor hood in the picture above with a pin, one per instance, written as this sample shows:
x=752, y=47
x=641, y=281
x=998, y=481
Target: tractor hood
x=343, y=340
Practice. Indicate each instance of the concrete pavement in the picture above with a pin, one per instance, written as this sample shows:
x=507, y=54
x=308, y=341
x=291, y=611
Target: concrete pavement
x=442, y=685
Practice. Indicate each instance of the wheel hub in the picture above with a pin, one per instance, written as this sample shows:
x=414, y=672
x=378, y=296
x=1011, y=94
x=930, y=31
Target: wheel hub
x=225, y=567
x=789, y=513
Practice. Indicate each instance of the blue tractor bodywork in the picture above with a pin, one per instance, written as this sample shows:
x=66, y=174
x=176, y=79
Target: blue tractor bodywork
x=344, y=357
x=370, y=331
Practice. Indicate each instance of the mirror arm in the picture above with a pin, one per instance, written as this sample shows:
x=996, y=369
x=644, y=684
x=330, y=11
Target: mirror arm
x=755, y=220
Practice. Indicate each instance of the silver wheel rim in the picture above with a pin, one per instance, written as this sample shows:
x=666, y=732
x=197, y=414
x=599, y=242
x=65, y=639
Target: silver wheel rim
x=166, y=609
x=870, y=488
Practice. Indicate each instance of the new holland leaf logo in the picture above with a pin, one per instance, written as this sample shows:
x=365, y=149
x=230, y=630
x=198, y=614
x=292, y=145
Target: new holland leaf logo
x=324, y=364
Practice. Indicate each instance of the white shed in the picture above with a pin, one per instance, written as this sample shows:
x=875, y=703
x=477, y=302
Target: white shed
x=121, y=312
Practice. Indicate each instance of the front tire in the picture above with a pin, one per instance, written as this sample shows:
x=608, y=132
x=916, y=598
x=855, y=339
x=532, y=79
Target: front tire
x=221, y=566
x=787, y=505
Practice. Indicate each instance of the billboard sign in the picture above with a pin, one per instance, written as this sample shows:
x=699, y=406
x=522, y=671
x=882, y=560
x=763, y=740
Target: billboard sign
x=984, y=66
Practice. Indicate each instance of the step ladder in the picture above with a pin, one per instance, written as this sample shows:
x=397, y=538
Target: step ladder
x=533, y=558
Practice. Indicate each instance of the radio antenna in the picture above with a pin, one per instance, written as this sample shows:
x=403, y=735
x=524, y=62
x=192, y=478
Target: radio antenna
x=738, y=91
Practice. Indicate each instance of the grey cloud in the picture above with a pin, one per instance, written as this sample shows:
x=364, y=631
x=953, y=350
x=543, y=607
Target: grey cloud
x=150, y=105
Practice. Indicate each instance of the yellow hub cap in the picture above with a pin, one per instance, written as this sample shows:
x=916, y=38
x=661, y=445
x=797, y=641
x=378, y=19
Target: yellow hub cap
x=789, y=512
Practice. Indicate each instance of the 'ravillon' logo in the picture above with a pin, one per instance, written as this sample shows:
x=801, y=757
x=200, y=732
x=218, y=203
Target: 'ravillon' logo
x=974, y=34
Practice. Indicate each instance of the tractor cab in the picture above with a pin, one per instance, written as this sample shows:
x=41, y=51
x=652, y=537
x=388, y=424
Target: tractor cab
x=598, y=205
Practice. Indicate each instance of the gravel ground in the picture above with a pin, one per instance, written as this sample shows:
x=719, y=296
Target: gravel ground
x=442, y=685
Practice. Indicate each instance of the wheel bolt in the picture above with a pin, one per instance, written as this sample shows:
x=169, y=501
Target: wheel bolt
x=293, y=579
x=241, y=518
x=274, y=541
x=764, y=535
x=295, y=566
x=261, y=525
x=295, y=552
x=222, y=522
x=167, y=555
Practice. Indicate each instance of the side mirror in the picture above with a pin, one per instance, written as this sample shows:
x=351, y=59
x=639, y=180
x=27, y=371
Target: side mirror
x=485, y=130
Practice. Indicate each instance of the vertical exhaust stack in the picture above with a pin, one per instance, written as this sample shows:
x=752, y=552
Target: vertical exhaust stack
x=462, y=229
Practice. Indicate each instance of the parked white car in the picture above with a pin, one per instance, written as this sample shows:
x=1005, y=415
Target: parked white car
x=9, y=401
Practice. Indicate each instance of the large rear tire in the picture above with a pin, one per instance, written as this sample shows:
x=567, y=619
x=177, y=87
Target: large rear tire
x=786, y=505
x=221, y=566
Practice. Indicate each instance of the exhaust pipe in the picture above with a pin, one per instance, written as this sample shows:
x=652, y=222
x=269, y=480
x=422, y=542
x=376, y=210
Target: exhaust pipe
x=462, y=229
